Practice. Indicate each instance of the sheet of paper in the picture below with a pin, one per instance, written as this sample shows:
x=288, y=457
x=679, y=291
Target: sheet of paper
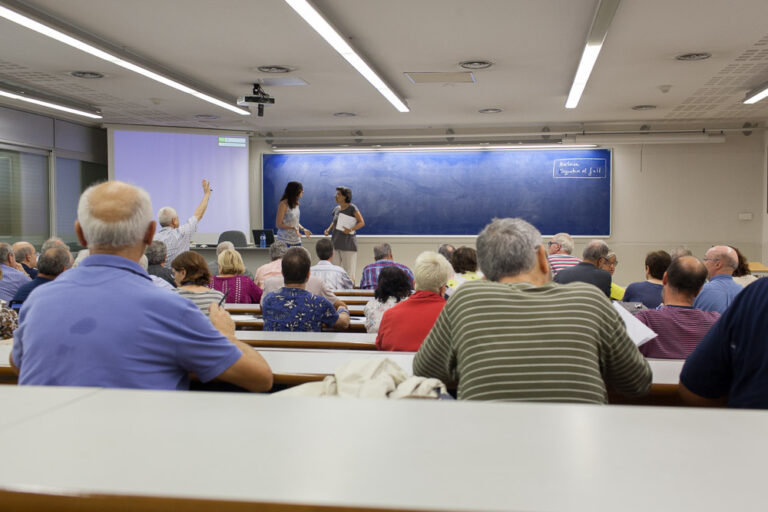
x=345, y=221
x=637, y=330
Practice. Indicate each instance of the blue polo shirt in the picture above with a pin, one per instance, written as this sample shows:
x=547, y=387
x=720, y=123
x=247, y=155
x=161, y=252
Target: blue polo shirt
x=106, y=324
x=24, y=290
x=717, y=294
x=732, y=359
x=11, y=281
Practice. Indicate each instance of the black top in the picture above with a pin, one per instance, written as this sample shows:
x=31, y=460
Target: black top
x=586, y=273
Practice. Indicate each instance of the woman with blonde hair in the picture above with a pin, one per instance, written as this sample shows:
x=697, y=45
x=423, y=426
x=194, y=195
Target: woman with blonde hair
x=232, y=282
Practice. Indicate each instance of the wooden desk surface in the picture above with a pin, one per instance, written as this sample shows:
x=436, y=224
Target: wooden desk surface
x=756, y=266
x=111, y=447
x=318, y=340
x=255, y=309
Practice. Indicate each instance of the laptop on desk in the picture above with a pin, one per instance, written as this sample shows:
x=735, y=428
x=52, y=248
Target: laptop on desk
x=267, y=232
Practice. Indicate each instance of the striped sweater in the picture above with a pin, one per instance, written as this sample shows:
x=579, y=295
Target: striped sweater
x=516, y=341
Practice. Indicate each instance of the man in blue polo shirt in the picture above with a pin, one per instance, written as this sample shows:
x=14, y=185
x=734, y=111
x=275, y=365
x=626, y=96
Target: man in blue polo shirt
x=721, y=289
x=730, y=365
x=106, y=324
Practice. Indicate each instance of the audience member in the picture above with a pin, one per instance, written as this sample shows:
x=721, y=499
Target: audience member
x=9, y=321
x=232, y=282
x=13, y=275
x=50, y=264
x=405, y=325
x=315, y=286
x=190, y=271
x=464, y=265
x=680, y=251
x=588, y=270
x=382, y=253
x=213, y=266
x=446, y=251
x=393, y=286
x=159, y=281
x=730, y=365
x=559, y=250
x=105, y=324
x=334, y=276
x=274, y=268
x=679, y=327
x=176, y=236
x=609, y=265
x=649, y=291
x=518, y=336
x=156, y=255
x=81, y=255
x=293, y=308
x=26, y=256
x=721, y=289
x=742, y=275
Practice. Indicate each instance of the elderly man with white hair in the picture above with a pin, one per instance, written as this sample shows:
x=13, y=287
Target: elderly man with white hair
x=721, y=289
x=405, y=325
x=519, y=336
x=177, y=237
x=106, y=324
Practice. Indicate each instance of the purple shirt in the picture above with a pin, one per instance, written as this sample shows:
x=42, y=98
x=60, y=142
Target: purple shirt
x=679, y=329
x=11, y=281
x=371, y=273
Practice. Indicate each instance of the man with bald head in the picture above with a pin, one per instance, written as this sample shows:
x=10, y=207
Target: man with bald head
x=106, y=324
x=588, y=270
x=678, y=325
x=176, y=236
x=26, y=256
x=721, y=289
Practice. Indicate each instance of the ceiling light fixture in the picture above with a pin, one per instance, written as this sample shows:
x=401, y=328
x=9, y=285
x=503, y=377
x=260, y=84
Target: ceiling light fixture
x=476, y=64
x=693, y=56
x=642, y=138
x=48, y=104
x=316, y=20
x=454, y=147
x=80, y=44
x=603, y=17
x=756, y=94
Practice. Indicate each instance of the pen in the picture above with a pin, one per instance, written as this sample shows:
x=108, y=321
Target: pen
x=221, y=301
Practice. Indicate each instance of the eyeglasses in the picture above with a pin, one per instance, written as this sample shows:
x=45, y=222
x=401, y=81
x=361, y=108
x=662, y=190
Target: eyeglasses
x=551, y=243
x=710, y=259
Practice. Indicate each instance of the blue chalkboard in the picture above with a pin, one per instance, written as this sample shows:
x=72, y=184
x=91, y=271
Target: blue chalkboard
x=449, y=193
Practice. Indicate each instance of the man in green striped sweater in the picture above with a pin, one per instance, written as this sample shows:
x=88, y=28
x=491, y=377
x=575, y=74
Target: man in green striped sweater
x=520, y=336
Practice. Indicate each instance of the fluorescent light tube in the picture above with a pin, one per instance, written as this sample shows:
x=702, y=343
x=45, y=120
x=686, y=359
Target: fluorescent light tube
x=650, y=138
x=756, y=94
x=474, y=147
x=597, y=32
x=316, y=20
x=97, y=52
x=48, y=104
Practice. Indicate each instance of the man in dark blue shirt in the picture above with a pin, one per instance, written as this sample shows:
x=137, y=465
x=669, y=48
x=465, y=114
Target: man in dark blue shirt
x=27, y=256
x=730, y=365
x=51, y=263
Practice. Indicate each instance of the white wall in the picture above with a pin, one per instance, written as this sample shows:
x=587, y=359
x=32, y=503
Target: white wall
x=664, y=195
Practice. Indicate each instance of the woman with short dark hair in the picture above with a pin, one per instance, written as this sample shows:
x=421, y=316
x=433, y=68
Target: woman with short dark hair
x=287, y=220
x=344, y=240
x=464, y=262
x=190, y=271
x=393, y=286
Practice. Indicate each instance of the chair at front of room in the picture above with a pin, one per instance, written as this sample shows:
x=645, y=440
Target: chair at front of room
x=237, y=238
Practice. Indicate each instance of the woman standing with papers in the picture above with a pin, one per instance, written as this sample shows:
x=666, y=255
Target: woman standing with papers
x=346, y=220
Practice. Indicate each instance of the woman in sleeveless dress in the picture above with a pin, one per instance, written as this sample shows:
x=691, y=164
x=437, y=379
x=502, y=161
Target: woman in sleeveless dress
x=287, y=220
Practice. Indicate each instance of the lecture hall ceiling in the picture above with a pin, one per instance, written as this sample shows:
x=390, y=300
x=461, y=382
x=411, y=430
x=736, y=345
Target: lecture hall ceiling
x=534, y=45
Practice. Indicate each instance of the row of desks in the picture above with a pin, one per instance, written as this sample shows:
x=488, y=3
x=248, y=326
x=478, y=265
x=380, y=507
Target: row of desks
x=255, y=309
x=120, y=450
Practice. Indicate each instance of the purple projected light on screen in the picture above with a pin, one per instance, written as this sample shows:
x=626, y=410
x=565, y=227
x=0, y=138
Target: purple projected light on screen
x=171, y=167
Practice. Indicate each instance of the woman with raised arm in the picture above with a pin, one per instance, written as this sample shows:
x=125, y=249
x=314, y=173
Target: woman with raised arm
x=344, y=240
x=287, y=220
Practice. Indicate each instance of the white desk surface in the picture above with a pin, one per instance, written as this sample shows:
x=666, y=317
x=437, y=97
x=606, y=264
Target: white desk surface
x=309, y=361
x=346, y=337
x=354, y=291
x=255, y=309
x=412, y=454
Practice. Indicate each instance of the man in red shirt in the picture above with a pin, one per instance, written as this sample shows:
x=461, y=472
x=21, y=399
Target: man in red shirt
x=404, y=326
